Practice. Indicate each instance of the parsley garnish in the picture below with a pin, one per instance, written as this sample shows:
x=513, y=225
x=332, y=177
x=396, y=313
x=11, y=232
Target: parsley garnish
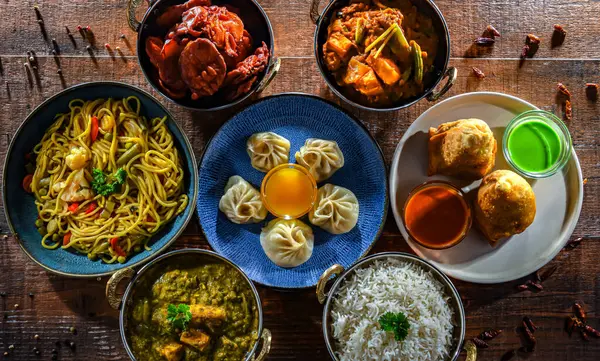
x=106, y=185
x=396, y=322
x=179, y=316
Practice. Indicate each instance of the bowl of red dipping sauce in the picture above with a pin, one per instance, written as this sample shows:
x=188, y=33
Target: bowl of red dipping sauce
x=436, y=215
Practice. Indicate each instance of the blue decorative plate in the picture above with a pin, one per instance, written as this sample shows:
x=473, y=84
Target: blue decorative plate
x=20, y=207
x=295, y=117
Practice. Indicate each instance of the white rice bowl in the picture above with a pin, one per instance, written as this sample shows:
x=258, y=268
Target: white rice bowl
x=391, y=286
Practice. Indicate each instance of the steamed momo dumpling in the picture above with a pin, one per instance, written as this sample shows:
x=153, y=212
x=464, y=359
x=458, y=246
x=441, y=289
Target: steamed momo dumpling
x=336, y=209
x=321, y=157
x=288, y=243
x=267, y=150
x=241, y=202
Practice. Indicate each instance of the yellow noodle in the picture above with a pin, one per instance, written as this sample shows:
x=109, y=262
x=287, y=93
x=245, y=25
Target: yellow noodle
x=153, y=193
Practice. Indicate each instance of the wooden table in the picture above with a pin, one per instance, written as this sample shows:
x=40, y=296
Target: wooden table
x=49, y=305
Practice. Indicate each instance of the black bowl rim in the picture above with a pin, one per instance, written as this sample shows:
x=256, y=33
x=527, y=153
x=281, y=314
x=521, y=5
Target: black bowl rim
x=141, y=52
x=334, y=88
x=188, y=145
x=197, y=252
x=360, y=124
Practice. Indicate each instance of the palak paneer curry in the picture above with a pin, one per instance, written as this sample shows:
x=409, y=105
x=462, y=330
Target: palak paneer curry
x=380, y=51
x=192, y=312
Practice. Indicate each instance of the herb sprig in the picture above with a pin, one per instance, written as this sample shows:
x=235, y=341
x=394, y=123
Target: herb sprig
x=179, y=316
x=396, y=322
x=106, y=185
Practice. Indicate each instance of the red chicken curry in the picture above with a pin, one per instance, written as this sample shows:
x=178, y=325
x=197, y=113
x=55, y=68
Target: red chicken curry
x=380, y=51
x=206, y=50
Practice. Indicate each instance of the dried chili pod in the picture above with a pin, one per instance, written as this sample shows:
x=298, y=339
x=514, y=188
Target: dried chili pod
x=529, y=337
x=584, y=334
x=478, y=73
x=525, y=51
x=563, y=90
x=559, y=28
x=535, y=285
x=592, y=331
x=522, y=287
x=489, y=334
x=483, y=40
x=548, y=273
x=492, y=30
x=509, y=355
x=479, y=342
x=529, y=324
x=591, y=91
x=533, y=39
x=579, y=311
x=570, y=325
x=574, y=243
x=568, y=110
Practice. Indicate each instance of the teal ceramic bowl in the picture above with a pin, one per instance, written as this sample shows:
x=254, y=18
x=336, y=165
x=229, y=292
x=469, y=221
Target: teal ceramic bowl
x=20, y=207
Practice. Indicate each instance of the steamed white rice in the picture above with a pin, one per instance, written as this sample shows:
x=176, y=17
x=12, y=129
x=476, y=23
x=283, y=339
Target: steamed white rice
x=391, y=286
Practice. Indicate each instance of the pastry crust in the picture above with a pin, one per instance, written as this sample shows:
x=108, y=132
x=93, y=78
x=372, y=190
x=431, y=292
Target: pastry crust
x=505, y=205
x=464, y=149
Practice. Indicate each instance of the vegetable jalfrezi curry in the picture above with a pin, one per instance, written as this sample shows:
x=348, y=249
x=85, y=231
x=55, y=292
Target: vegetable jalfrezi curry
x=201, y=313
x=380, y=51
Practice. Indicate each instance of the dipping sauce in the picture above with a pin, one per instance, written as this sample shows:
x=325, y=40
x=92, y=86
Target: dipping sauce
x=436, y=215
x=534, y=145
x=289, y=191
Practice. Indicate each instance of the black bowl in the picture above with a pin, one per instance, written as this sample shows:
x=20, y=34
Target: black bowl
x=255, y=21
x=431, y=80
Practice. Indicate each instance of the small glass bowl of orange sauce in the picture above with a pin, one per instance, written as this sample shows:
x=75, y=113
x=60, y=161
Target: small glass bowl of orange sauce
x=436, y=215
x=289, y=191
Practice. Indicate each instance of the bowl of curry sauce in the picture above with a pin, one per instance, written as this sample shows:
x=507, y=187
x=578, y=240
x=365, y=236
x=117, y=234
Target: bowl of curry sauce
x=436, y=215
x=189, y=305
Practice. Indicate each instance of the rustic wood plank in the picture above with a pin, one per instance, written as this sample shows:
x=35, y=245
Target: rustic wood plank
x=294, y=30
x=295, y=317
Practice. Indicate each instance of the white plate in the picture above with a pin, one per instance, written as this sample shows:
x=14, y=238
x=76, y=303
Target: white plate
x=558, y=198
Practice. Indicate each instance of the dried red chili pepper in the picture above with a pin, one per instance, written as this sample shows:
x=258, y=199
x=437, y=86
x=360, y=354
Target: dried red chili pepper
x=537, y=286
x=509, y=355
x=579, y=311
x=548, y=273
x=563, y=90
x=484, y=41
x=529, y=337
x=574, y=243
x=533, y=39
x=568, y=110
x=489, y=334
x=529, y=324
x=570, y=325
x=559, y=28
x=492, y=30
x=522, y=287
x=525, y=51
x=478, y=73
x=480, y=343
x=584, y=334
x=591, y=91
x=592, y=331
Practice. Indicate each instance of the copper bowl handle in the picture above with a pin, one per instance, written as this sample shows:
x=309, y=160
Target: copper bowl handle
x=271, y=73
x=266, y=345
x=334, y=270
x=314, y=11
x=114, y=300
x=452, y=74
x=132, y=5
